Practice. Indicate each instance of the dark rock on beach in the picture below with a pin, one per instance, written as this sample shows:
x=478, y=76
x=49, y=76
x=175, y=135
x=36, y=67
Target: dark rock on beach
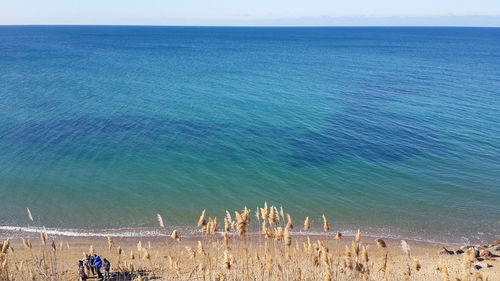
x=481, y=265
x=445, y=251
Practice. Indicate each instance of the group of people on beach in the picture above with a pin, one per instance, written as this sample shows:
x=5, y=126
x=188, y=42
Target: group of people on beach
x=93, y=264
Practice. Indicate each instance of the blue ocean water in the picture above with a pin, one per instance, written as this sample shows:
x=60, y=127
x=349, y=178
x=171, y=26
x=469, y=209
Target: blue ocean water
x=392, y=130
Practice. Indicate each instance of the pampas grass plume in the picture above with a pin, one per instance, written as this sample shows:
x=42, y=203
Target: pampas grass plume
x=43, y=238
x=175, y=235
x=29, y=214
x=110, y=242
x=326, y=227
x=358, y=236
x=406, y=248
x=307, y=224
x=202, y=221
x=160, y=220
x=289, y=224
x=287, y=238
x=380, y=243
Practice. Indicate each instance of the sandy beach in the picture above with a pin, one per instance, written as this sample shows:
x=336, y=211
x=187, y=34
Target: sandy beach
x=236, y=255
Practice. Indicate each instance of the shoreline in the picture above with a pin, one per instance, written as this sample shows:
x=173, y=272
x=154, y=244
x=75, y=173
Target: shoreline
x=260, y=246
x=255, y=246
x=18, y=232
x=164, y=258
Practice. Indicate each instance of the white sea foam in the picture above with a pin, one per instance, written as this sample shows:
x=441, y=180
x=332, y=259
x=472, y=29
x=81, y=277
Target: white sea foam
x=19, y=231
x=84, y=233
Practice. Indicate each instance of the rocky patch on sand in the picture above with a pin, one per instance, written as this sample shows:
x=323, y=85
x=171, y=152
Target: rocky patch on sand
x=477, y=255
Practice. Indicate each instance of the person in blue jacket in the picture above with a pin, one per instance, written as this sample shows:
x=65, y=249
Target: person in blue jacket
x=98, y=265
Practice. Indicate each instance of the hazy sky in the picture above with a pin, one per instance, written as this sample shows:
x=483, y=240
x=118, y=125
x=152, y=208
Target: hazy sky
x=239, y=12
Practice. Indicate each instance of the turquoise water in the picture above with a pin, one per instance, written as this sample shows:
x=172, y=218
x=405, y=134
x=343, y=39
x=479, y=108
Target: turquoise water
x=392, y=130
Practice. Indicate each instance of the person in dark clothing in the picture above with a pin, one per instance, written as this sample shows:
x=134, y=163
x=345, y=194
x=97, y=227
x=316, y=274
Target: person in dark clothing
x=107, y=268
x=92, y=264
x=88, y=264
x=81, y=271
x=85, y=263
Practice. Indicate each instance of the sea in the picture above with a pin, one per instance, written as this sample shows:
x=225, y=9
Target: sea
x=391, y=130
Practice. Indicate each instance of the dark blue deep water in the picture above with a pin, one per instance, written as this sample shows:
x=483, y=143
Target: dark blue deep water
x=392, y=130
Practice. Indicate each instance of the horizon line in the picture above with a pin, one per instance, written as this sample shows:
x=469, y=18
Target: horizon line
x=264, y=26
x=449, y=20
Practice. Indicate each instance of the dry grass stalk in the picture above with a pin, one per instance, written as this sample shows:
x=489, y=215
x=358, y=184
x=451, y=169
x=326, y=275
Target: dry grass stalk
x=289, y=224
x=5, y=246
x=307, y=224
x=27, y=244
x=160, y=220
x=383, y=268
x=201, y=250
x=242, y=221
x=110, y=242
x=380, y=243
x=145, y=254
x=211, y=227
x=357, y=238
x=266, y=231
x=175, y=235
x=326, y=227
x=30, y=216
x=347, y=251
x=227, y=225
x=354, y=249
x=264, y=212
x=287, y=238
x=227, y=260
x=364, y=254
x=202, y=221
x=277, y=214
x=226, y=238
x=43, y=238
x=278, y=233
x=228, y=216
x=273, y=217
x=406, y=248
x=282, y=213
